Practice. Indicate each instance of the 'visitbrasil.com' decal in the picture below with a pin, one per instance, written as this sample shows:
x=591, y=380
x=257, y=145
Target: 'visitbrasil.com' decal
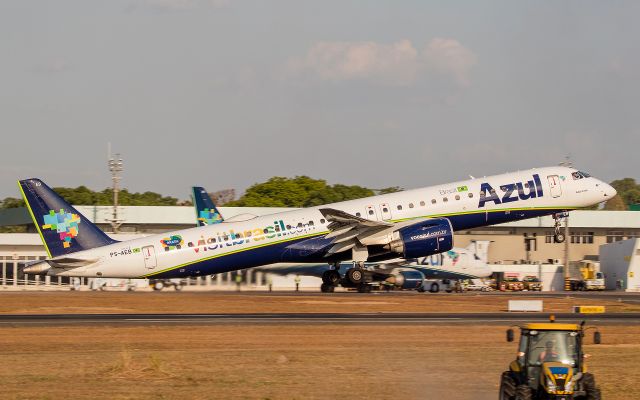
x=233, y=238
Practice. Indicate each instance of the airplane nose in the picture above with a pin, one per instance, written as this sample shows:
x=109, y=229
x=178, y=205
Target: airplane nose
x=607, y=190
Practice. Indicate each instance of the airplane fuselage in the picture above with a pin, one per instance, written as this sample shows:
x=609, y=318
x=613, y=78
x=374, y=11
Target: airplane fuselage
x=298, y=236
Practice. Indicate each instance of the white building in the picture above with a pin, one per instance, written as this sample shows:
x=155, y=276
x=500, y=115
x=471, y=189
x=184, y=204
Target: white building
x=620, y=263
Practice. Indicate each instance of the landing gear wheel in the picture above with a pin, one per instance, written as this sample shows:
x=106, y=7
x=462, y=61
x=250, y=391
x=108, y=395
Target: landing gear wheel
x=355, y=275
x=524, y=392
x=434, y=288
x=507, y=386
x=331, y=277
x=364, y=288
x=327, y=288
x=558, y=236
x=589, y=384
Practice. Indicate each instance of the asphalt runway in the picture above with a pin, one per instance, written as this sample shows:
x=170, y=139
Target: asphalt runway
x=310, y=318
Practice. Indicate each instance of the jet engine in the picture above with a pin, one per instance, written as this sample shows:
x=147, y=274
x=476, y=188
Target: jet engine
x=423, y=238
x=406, y=278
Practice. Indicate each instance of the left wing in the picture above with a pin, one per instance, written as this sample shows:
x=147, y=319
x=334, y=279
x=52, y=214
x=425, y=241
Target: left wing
x=349, y=232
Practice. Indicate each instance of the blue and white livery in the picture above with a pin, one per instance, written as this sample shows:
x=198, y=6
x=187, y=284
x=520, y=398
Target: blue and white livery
x=410, y=224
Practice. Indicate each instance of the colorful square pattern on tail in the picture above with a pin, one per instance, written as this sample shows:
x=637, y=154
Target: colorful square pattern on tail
x=209, y=217
x=64, y=223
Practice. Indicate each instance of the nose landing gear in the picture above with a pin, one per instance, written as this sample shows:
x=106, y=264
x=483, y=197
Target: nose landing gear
x=558, y=234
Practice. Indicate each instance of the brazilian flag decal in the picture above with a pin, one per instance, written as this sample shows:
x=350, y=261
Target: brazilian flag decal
x=462, y=188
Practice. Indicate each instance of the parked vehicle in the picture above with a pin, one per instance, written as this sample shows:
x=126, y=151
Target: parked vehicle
x=586, y=275
x=532, y=283
x=159, y=284
x=477, y=285
x=511, y=283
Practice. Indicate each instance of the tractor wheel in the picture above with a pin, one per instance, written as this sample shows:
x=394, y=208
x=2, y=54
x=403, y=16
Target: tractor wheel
x=507, y=386
x=435, y=288
x=524, y=392
x=589, y=385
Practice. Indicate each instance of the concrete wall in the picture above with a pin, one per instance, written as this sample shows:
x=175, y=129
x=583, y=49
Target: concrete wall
x=620, y=263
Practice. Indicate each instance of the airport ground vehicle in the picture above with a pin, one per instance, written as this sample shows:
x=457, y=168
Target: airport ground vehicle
x=511, y=283
x=586, y=275
x=115, y=284
x=477, y=285
x=550, y=364
x=532, y=283
x=159, y=284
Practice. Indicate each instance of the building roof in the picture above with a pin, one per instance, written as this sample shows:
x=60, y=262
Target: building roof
x=185, y=215
x=148, y=215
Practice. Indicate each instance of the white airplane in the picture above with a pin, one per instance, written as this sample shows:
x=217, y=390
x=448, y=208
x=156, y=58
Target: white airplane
x=456, y=264
x=409, y=224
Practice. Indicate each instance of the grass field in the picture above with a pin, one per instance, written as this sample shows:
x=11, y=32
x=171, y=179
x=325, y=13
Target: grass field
x=276, y=361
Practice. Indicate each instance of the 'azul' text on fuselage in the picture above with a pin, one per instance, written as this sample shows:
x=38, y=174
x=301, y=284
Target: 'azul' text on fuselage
x=512, y=192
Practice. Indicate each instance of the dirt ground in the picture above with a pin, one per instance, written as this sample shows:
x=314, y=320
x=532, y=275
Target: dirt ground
x=278, y=361
x=281, y=362
x=212, y=302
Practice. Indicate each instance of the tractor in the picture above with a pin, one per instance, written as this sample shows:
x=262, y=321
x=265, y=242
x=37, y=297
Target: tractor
x=550, y=364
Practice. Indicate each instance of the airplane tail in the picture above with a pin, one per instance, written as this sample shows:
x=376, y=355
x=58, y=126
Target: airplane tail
x=62, y=228
x=206, y=211
x=480, y=248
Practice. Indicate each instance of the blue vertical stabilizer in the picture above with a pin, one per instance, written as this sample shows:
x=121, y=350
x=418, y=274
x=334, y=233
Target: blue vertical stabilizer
x=206, y=211
x=62, y=228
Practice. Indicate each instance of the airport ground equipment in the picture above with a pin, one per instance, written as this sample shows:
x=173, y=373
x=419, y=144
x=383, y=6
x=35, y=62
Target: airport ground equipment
x=532, y=283
x=511, y=284
x=586, y=275
x=159, y=284
x=550, y=364
x=477, y=285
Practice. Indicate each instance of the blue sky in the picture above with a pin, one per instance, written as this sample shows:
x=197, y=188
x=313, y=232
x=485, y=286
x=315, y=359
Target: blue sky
x=226, y=93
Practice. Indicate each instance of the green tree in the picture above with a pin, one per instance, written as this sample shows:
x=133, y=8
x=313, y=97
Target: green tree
x=85, y=196
x=628, y=189
x=280, y=192
x=12, y=202
x=390, y=189
x=615, y=204
x=336, y=193
x=300, y=191
x=632, y=196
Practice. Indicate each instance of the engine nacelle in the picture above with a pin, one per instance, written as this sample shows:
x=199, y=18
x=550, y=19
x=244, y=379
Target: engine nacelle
x=406, y=278
x=423, y=238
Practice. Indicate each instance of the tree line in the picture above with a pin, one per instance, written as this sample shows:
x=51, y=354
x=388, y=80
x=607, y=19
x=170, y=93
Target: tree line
x=299, y=191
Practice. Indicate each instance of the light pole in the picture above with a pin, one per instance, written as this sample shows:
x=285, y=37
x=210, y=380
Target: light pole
x=115, y=167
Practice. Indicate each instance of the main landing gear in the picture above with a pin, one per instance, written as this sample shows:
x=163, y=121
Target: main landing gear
x=356, y=277
x=558, y=235
x=330, y=279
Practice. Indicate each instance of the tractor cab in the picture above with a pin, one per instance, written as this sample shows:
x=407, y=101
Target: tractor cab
x=550, y=364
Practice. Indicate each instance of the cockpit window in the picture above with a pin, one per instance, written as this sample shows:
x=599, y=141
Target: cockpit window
x=579, y=175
